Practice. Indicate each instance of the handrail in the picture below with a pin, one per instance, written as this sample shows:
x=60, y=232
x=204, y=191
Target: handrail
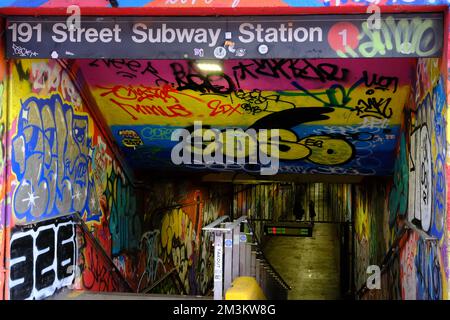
x=160, y=280
x=266, y=261
x=394, y=246
x=212, y=225
x=99, y=247
x=228, y=228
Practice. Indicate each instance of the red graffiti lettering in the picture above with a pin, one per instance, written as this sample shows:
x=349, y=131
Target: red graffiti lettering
x=218, y=108
x=172, y=111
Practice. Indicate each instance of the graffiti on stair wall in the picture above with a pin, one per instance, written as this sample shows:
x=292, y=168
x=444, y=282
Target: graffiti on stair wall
x=174, y=215
x=421, y=275
x=417, y=193
x=371, y=228
x=270, y=201
x=61, y=163
x=98, y=273
x=418, y=190
x=42, y=259
x=3, y=182
x=334, y=116
x=50, y=159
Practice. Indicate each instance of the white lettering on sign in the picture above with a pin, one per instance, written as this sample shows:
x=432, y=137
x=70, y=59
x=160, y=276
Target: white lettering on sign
x=251, y=33
x=63, y=33
x=165, y=34
x=218, y=263
x=142, y=32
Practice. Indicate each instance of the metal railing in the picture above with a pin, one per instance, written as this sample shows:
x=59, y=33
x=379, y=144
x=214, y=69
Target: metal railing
x=173, y=276
x=236, y=255
x=112, y=268
x=395, y=248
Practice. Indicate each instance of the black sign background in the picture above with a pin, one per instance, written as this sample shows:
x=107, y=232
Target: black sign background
x=244, y=37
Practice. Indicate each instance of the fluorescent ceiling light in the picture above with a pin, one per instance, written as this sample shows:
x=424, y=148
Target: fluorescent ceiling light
x=209, y=66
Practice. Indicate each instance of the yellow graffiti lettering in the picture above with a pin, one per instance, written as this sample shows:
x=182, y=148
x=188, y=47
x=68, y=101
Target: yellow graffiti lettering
x=328, y=150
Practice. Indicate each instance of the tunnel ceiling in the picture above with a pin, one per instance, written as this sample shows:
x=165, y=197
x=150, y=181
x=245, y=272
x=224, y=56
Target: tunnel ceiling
x=345, y=113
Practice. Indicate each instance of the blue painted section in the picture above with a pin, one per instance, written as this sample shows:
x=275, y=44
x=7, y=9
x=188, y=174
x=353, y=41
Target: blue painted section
x=374, y=150
x=24, y=3
x=51, y=155
x=134, y=3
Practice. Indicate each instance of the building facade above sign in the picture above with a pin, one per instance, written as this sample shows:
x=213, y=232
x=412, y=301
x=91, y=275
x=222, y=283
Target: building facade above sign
x=249, y=37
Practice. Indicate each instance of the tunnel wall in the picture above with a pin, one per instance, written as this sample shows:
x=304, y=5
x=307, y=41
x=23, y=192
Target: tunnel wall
x=417, y=193
x=174, y=212
x=59, y=162
x=372, y=236
x=2, y=163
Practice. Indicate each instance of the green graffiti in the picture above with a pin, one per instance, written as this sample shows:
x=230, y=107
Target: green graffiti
x=406, y=36
x=398, y=198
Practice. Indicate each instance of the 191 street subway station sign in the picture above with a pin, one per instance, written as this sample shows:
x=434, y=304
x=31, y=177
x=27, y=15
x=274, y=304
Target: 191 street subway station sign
x=249, y=37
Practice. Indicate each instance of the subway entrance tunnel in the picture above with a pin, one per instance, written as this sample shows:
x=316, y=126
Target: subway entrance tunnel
x=106, y=193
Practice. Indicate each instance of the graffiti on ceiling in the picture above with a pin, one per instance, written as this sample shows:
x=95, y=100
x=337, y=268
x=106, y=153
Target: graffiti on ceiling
x=333, y=116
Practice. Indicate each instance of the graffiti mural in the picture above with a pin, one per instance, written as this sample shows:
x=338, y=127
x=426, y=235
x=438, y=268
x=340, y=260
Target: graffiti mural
x=3, y=159
x=421, y=177
x=175, y=238
x=43, y=259
x=50, y=159
x=124, y=222
x=98, y=273
x=372, y=233
x=62, y=164
x=333, y=116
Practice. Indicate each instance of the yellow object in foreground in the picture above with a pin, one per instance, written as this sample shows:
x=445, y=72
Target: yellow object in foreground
x=245, y=288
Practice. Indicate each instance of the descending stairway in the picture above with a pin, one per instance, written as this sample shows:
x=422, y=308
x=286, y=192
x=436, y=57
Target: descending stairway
x=87, y=295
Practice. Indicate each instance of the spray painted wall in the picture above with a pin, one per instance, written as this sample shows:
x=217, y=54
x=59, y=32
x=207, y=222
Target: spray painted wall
x=3, y=183
x=334, y=116
x=60, y=162
x=371, y=227
x=174, y=213
x=427, y=186
x=417, y=194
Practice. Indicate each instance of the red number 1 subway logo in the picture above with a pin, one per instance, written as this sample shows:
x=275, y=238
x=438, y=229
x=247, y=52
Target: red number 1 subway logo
x=343, y=38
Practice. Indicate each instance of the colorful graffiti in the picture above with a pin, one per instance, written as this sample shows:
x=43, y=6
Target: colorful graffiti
x=50, y=158
x=332, y=115
x=420, y=166
x=421, y=272
x=98, y=272
x=175, y=239
x=43, y=259
x=408, y=36
x=124, y=221
x=427, y=162
x=372, y=233
x=63, y=164
x=3, y=159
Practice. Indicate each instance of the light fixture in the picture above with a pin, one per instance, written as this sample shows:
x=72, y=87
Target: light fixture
x=209, y=66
